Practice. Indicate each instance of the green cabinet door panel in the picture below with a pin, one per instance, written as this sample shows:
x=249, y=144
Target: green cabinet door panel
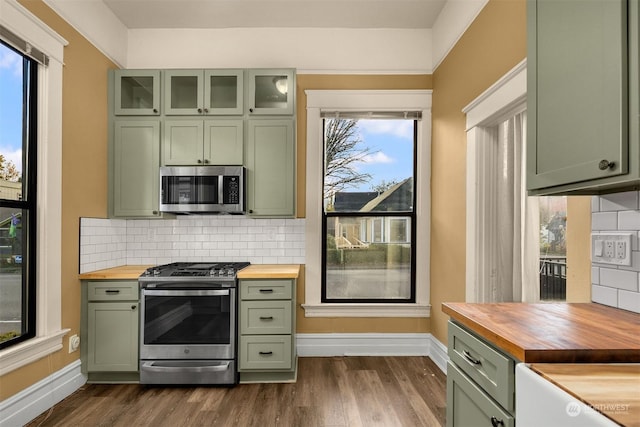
x=224, y=142
x=271, y=168
x=136, y=92
x=468, y=405
x=136, y=158
x=582, y=96
x=182, y=142
x=271, y=92
x=112, y=336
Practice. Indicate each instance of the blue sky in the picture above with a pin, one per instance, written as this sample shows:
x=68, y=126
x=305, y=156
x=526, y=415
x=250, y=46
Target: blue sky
x=11, y=105
x=392, y=144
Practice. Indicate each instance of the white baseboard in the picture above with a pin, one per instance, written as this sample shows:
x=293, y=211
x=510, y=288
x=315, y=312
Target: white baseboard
x=23, y=407
x=372, y=344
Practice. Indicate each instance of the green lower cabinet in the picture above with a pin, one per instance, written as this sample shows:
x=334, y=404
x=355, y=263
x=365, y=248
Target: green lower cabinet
x=113, y=336
x=267, y=344
x=468, y=405
x=480, y=381
x=109, y=331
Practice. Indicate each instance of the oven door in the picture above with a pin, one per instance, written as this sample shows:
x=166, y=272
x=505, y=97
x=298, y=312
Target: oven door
x=190, y=324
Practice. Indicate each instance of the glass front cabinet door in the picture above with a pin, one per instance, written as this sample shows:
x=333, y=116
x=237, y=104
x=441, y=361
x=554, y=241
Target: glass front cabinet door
x=271, y=92
x=203, y=92
x=137, y=93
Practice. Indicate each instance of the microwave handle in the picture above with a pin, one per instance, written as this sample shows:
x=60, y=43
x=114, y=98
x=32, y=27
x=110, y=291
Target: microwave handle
x=221, y=189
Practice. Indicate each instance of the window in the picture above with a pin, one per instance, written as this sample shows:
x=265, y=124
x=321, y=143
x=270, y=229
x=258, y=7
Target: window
x=18, y=107
x=368, y=215
x=41, y=43
x=321, y=105
x=508, y=258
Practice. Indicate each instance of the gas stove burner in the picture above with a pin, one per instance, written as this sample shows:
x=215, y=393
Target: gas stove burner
x=196, y=270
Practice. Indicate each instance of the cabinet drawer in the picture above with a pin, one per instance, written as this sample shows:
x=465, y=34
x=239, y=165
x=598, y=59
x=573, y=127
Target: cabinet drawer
x=467, y=405
x=265, y=317
x=491, y=370
x=265, y=352
x=265, y=289
x=112, y=290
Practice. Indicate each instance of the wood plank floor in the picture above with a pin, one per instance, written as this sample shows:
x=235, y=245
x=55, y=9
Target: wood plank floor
x=330, y=391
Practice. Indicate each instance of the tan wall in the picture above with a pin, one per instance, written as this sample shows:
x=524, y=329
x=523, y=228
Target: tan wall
x=494, y=43
x=319, y=82
x=84, y=177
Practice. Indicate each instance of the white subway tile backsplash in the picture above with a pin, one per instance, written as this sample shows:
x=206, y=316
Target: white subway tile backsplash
x=107, y=243
x=603, y=221
x=629, y=301
x=619, y=201
x=617, y=286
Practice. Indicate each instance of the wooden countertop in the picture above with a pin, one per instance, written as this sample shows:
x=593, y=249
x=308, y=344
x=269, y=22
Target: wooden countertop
x=254, y=271
x=612, y=389
x=554, y=332
x=270, y=271
x=116, y=273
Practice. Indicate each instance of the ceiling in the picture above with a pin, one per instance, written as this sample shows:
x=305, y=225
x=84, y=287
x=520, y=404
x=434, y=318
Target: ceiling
x=404, y=14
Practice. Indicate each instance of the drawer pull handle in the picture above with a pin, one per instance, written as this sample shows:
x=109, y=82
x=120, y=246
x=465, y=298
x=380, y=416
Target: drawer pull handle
x=496, y=422
x=266, y=317
x=266, y=291
x=470, y=358
x=112, y=291
x=265, y=353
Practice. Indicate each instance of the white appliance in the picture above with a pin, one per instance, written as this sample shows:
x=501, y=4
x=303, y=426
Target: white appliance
x=541, y=403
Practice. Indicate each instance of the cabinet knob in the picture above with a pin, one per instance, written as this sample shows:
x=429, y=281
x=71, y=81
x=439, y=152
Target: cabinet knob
x=605, y=164
x=155, y=110
x=155, y=212
x=133, y=307
x=199, y=160
x=199, y=110
x=251, y=110
x=206, y=110
x=496, y=422
x=206, y=160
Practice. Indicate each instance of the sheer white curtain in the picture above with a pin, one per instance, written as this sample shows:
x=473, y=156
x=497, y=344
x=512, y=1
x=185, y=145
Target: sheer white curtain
x=516, y=256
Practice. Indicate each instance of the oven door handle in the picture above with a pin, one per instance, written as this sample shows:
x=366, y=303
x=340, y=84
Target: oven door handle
x=157, y=367
x=185, y=292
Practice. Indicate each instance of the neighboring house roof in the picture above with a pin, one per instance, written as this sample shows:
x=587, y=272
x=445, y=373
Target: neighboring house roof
x=396, y=198
x=352, y=201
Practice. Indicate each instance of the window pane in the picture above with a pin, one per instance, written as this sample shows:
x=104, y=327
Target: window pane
x=369, y=167
x=359, y=268
x=17, y=207
x=553, y=248
x=11, y=273
x=11, y=118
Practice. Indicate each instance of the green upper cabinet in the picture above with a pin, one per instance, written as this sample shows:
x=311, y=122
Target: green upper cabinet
x=271, y=92
x=136, y=92
x=582, y=94
x=203, y=92
x=270, y=163
x=202, y=142
x=136, y=163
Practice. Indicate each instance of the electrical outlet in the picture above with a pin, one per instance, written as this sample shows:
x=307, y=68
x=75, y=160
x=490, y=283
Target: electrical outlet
x=611, y=248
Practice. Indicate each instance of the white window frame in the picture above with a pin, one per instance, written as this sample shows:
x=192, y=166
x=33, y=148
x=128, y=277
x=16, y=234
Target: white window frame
x=319, y=101
x=49, y=334
x=506, y=97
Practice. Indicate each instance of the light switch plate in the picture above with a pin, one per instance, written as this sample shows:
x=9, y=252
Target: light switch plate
x=611, y=248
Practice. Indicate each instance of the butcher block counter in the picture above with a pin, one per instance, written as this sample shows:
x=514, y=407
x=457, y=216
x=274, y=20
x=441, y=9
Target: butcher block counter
x=612, y=389
x=270, y=271
x=554, y=332
x=124, y=272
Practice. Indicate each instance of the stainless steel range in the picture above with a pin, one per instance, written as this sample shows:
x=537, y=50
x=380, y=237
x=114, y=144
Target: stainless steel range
x=188, y=323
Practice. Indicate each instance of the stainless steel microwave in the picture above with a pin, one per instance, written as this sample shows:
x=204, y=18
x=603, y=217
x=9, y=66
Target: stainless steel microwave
x=202, y=189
